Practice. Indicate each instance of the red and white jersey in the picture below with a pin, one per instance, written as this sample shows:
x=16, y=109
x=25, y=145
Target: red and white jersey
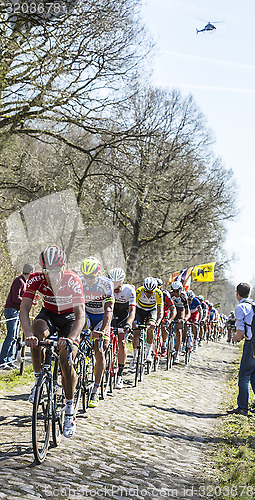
x=62, y=300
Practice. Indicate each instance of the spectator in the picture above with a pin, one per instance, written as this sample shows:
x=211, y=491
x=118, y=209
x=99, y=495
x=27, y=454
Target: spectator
x=244, y=315
x=11, y=313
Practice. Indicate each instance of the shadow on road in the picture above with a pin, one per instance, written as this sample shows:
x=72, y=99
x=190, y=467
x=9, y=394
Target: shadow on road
x=188, y=413
x=189, y=437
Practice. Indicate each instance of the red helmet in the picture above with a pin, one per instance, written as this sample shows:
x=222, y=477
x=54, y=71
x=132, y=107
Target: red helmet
x=51, y=257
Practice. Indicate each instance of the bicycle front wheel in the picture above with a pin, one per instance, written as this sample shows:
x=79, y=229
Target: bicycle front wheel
x=58, y=405
x=114, y=366
x=157, y=353
x=79, y=366
x=41, y=418
x=188, y=348
x=105, y=383
x=170, y=350
x=88, y=379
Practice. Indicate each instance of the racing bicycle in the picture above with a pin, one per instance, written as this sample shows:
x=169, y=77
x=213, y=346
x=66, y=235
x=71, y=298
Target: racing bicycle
x=49, y=401
x=84, y=364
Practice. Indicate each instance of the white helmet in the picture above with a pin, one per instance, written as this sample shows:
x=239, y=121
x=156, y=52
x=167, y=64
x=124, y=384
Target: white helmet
x=176, y=285
x=200, y=297
x=190, y=294
x=116, y=274
x=150, y=284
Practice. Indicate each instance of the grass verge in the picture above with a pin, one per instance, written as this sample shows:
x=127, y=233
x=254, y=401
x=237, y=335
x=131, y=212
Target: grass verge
x=235, y=461
x=12, y=378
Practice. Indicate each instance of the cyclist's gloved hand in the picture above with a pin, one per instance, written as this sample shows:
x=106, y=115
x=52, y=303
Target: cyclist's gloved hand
x=127, y=327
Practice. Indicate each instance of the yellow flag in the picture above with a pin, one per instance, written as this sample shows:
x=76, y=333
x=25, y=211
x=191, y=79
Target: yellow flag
x=204, y=272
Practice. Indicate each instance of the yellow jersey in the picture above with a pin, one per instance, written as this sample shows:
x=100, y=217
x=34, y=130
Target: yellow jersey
x=148, y=303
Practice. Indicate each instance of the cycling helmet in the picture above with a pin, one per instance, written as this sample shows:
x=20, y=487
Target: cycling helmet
x=89, y=266
x=52, y=257
x=159, y=281
x=190, y=294
x=176, y=285
x=150, y=284
x=232, y=312
x=116, y=274
x=200, y=297
x=210, y=304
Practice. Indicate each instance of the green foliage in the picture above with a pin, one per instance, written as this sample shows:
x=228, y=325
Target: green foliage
x=12, y=378
x=235, y=460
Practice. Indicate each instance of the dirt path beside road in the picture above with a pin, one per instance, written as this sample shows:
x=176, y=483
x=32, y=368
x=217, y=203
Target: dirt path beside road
x=145, y=442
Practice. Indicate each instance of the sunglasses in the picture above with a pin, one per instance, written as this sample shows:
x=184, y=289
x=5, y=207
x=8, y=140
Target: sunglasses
x=52, y=271
x=91, y=276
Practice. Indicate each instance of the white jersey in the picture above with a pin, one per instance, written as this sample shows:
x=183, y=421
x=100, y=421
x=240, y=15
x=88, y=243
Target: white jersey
x=124, y=299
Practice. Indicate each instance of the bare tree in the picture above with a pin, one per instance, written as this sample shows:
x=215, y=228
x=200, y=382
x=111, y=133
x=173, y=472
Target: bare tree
x=66, y=70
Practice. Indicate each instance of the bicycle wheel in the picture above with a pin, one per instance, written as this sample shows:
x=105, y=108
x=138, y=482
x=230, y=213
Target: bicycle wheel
x=41, y=418
x=58, y=405
x=188, y=348
x=79, y=366
x=22, y=363
x=157, y=353
x=20, y=354
x=170, y=350
x=114, y=365
x=138, y=363
x=105, y=383
x=88, y=379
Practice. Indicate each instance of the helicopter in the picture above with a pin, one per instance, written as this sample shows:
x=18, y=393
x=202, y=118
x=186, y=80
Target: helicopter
x=209, y=27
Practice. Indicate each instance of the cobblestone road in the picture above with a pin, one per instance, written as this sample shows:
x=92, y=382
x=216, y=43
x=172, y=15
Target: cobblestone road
x=146, y=442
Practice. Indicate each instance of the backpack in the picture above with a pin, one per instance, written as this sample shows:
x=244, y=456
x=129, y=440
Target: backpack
x=252, y=326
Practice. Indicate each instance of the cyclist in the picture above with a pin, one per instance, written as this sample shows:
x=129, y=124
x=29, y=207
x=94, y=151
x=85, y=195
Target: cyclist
x=180, y=300
x=62, y=311
x=213, y=320
x=149, y=309
x=99, y=302
x=196, y=314
x=205, y=318
x=168, y=316
x=123, y=315
x=231, y=325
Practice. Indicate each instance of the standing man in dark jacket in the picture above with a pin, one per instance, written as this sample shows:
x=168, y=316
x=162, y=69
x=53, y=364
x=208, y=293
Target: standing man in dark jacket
x=11, y=313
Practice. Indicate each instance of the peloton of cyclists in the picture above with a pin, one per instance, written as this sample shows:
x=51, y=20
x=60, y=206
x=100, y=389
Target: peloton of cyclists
x=123, y=315
x=149, y=310
x=99, y=303
x=63, y=310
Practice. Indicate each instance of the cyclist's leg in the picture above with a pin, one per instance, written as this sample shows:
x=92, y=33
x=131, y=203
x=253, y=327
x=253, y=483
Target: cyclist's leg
x=100, y=364
x=151, y=323
x=178, y=338
x=42, y=326
x=164, y=335
x=122, y=353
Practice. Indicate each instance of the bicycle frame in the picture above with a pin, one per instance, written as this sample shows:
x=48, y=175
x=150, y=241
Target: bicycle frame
x=188, y=343
x=170, y=344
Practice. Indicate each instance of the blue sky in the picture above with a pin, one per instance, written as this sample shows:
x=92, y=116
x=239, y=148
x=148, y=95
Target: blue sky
x=218, y=69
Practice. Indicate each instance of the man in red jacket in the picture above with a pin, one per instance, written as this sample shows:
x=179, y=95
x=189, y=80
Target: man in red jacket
x=11, y=313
